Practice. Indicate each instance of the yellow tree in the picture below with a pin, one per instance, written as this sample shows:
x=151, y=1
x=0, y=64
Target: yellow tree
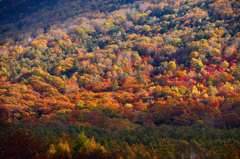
x=171, y=65
x=224, y=64
x=196, y=63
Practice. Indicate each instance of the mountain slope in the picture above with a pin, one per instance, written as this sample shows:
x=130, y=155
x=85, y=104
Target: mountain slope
x=160, y=77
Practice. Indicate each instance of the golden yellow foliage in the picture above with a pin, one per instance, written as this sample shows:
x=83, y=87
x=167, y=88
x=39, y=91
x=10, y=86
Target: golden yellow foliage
x=34, y=44
x=128, y=105
x=171, y=65
x=216, y=52
x=193, y=54
x=180, y=73
x=196, y=63
x=224, y=64
x=131, y=36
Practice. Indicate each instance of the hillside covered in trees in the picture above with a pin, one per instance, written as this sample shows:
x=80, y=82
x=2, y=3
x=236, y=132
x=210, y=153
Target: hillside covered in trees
x=120, y=79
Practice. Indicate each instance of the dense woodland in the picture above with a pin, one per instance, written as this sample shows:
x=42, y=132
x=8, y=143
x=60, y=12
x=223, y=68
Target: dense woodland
x=126, y=79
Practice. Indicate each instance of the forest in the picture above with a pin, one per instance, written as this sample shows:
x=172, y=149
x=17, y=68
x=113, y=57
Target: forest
x=148, y=79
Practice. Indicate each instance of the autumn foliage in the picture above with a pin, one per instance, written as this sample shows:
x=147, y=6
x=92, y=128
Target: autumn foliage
x=116, y=79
